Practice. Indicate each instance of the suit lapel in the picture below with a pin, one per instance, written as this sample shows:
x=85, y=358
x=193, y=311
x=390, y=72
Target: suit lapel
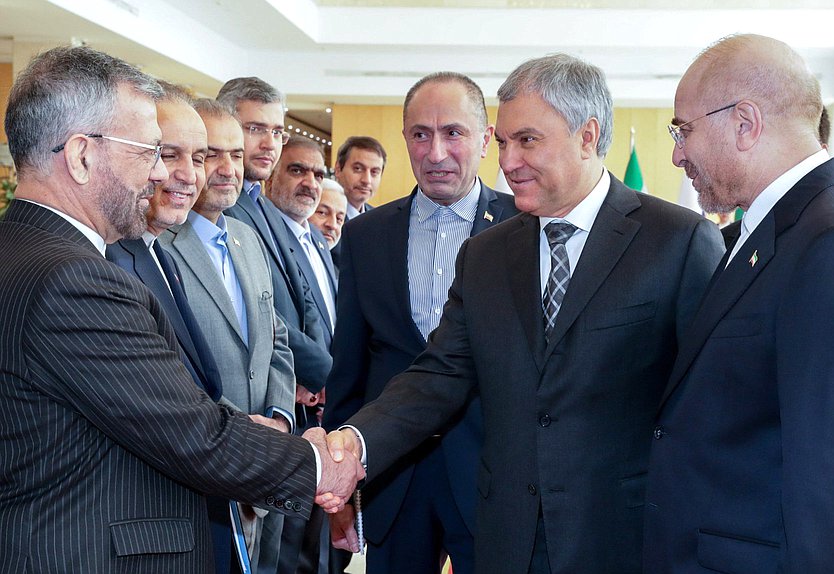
x=610, y=236
x=245, y=274
x=489, y=211
x=320, y=243
x=307, y=270
x=728, y=285
x=525, y=282
x=189, y=246
x=397, y=247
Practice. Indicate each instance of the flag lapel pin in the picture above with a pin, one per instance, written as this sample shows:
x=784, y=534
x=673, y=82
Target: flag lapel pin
x=321, y=245
x=235, y=241
x=754, y=258
x=488, y=216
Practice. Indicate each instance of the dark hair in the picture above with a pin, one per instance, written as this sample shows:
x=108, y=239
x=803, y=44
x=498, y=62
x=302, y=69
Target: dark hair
x=297, y=141
x=360, y=142
x=473, y=92
x=65, y=91
x=825, y=127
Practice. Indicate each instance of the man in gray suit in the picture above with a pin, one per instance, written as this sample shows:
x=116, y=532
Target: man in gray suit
x=565, y=321
x=107, y=443
x=227, y=279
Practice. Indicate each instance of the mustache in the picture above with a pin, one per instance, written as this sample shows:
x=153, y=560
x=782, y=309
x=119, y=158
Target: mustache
x=220, y=180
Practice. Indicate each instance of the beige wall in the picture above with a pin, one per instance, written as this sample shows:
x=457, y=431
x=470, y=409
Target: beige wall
x=654, y=147
x=5, y=87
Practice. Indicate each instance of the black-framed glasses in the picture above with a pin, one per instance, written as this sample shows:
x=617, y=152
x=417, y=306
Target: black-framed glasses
x=157, y=148
x=259, y=131
x=680, y=137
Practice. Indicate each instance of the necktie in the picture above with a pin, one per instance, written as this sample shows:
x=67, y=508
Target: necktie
x=558, y=232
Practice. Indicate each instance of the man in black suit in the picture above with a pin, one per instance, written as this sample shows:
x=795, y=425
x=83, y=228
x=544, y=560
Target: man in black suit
x=565, y=321
x=397, y=265
x=739, y=478
x=107, y=442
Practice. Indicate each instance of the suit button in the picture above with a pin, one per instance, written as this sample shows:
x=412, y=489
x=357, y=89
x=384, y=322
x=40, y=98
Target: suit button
x=288, y=504
x=544, y=420
x=270, y=500
x=251, y=373
x=279, y=502
x=531, y=488
x=658, y=432
x=296, y=506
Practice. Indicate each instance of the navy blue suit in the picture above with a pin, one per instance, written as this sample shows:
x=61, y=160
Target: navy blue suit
x=743, y=451
x=375, y=339
x=293, y=298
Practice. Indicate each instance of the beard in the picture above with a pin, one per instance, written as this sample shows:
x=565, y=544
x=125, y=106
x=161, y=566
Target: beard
x=120, y=205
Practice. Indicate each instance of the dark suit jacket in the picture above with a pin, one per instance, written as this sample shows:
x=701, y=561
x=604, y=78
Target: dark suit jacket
x=741, y=467
x=567, y=425
x=107, y=443
x=293, y=299
x=731, y=234
x=297, y=250
x=133, y=256
x=376, y=338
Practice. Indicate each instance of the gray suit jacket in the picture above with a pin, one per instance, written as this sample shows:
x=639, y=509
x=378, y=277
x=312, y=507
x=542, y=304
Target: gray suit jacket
x=106, y=442
x=258, y=376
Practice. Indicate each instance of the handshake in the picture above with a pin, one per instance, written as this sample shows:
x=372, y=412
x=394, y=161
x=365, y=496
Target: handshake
x=340, y=453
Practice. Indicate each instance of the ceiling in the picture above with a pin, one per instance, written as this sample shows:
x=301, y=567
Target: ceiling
x=364, y=51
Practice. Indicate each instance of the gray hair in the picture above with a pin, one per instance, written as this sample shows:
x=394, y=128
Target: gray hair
x=333, y=185
x=174, y=93
x=473, y=93
x=209, y=108
x=248, y=89
x=66, y=91
x=574, y=88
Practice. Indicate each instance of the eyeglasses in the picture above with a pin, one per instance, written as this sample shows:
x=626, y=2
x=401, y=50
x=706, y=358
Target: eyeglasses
x=157, y=148
x=680, y=137
x=255, y=130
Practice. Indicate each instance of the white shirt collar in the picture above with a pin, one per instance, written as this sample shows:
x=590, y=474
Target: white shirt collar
x=584, y=214
x=96, y=239
x=765, y=201
x=297, y=229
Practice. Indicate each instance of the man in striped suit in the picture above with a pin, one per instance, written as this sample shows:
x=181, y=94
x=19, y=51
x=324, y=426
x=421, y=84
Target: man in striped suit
x=107, y=445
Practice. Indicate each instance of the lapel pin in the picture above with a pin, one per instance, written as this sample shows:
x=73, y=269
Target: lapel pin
x=754, y=258
x=321, y=246
x=488, y=216
x=236, y=242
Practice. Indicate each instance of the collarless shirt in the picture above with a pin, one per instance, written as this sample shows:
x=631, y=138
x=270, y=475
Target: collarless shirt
x=771, y=195
x=582, y=217
x=435, y=234
x=214, y=239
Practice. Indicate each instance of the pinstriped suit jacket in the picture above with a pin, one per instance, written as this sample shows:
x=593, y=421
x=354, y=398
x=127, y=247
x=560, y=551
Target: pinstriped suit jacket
x=105, y=442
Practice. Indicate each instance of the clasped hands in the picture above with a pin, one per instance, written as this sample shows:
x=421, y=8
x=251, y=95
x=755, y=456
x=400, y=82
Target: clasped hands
x=341, y=469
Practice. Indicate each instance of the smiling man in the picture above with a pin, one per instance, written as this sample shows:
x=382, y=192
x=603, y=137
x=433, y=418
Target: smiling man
x=360, y=162
x=563, y=321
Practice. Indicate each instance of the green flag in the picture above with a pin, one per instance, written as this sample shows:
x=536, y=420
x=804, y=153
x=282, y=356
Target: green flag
x=633, y=176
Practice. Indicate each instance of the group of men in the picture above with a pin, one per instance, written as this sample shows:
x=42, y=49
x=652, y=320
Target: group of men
x=575, y=379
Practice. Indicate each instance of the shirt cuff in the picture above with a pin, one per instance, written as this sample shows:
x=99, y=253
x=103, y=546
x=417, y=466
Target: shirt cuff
x=364, y=458
x=318, y=464
x=272, y=411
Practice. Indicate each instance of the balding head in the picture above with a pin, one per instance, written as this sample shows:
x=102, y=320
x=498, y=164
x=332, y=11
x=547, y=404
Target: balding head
x=764, y=70
x=747, y=110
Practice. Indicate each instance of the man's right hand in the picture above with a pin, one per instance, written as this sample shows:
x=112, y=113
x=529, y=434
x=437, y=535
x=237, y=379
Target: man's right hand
x=338, y=477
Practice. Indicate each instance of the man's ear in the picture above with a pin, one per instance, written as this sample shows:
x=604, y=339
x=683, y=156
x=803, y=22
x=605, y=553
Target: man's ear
x=590, y=134
x=747, y=124
x=80, y=157
x=487, y=135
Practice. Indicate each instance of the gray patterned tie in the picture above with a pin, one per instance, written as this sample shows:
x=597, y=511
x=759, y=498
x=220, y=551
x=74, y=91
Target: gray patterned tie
x=558, y=232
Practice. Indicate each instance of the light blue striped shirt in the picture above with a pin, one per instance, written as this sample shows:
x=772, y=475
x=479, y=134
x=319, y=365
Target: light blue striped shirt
x=435, y=234
x=213, y=238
